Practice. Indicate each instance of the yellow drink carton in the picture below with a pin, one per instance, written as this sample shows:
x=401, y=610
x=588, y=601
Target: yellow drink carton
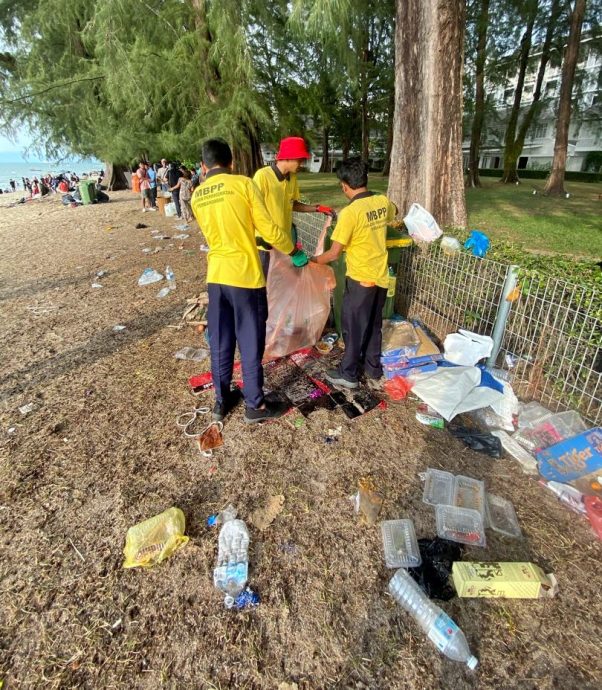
x=502, y=580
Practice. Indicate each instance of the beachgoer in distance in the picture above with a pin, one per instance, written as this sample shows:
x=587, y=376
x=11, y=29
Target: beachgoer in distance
x=184, y=187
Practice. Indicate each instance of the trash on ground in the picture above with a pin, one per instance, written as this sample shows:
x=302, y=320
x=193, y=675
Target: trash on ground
x=482, y=442
x=12, y=430
x=192, y=354
x=501, y=516
x=466, y=348
x=181, y=236
x=516, y=451
x=298, y=305
x=532, y=414
x=400, y=544
x=163, y=292
x=469, y=493
x=399, y=338
x=96, y=285
x=211, y=438
x=503, y=580
x=567, y=494
x=463, y=525
x=550, y=431
x=232, y=570
x=149, y=276
x=101, y=274
x=182, y=226
x=326, y=343
x=433, y=574
x=155, y=539
x=421, y=225
x=438, y=626
x=26, y=409
x=263, y=517
x=246, y=599
x=195, y=313
x=576, y=461
x=367, y=501
x=204, y=248
x=428, y=416
x=450, y=245
x=333, y=434
x=478, y=242
x=397, y=388
x=593, y=505
x=140, y=226
x=438, y=487
x=118, y=328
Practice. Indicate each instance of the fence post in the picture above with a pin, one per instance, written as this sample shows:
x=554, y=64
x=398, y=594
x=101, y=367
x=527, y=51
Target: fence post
x=502, y=313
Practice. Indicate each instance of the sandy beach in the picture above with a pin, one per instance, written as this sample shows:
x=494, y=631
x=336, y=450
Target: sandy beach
x=100, y=451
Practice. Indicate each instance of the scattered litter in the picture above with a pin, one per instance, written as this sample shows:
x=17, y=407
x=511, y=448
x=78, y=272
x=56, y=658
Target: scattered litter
x=400, y=544
x=211, y=438
x=149, y=276
x=326, y=343
x=181, y=236
x=232, y=570
x=501, y=516
x=469, y=493
x=438, y=626
x=246, y=599
x=333, y=435
x=195, y=313
x=155, y=539
x=118, y=328
x=550, y=430
x=96, y=285
x=263, y=517
x=163, y=292
x=187, y=420
x=140, y=226
x=101, y=274
x=482, y=442
x=192, y=354
x=516, y=451
x=433, y=574
x=593, y=505
x=398, y=387
x=12, y=430
x=26, y=409
x=428, y=416
x=567, y=494
x=502, y=580
x=421, y=225
x=42, y=309
x=367, y=501
x=450, y=245
x=463, y=525
x=466, y=348
x=438, y=487
x=204, y=248
x=478, y=242
x=182, y=226
x=532, y=414
x=212, y=520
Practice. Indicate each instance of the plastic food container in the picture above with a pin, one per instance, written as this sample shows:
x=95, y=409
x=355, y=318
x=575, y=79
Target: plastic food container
x=501, y=516
x=463, y=525
x=400, y=544
x=438, y=487
x=469, y=493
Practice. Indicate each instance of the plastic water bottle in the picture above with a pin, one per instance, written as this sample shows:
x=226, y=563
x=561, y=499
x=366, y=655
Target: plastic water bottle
x=171, y=278
x=439, y=627
x=231, y=573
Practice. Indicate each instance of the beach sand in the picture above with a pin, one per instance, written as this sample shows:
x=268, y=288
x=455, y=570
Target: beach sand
x=100, y=451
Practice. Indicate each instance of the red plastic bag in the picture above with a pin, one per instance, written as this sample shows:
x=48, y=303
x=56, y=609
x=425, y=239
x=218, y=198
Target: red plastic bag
x=398, y=387
x=298, y=305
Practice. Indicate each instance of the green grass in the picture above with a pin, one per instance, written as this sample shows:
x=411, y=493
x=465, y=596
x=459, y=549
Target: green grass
x=508, y=213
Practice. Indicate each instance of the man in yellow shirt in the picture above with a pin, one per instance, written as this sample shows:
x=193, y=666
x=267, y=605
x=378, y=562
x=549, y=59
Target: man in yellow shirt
x=361, y=231
x=230, y=210
x=279, y=187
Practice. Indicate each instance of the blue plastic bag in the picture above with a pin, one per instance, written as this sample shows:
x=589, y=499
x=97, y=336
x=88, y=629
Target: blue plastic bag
x=478, y=242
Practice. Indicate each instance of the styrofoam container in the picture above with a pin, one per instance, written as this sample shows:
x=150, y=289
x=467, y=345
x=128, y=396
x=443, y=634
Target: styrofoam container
x=400, y=544
x=438, y=487
x=463, y=525
x=501, y=516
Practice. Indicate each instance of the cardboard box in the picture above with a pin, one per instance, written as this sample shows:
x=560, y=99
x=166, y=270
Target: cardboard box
x=502, y=580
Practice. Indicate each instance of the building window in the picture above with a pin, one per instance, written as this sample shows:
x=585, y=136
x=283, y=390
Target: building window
x=540, y=131
x=551, y=88
x=508, y=93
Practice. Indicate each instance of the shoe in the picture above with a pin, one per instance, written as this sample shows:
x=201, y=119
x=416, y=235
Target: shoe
x=152, y=208
x=333, y=376
x=144, y=210
x=223, y=409
x=272, y=410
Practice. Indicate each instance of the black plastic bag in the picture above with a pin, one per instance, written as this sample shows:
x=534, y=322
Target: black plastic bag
x=477, y=440
x=438, y=556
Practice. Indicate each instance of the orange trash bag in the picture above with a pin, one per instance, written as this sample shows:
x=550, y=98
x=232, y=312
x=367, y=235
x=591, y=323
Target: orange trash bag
x=298, y=305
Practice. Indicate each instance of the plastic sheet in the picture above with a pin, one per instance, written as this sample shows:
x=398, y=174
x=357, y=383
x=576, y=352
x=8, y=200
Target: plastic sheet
x=421, y=225
x=397, y=388
x=438, y=556
x=482, y=442
x=155, y=539
x=298, y=305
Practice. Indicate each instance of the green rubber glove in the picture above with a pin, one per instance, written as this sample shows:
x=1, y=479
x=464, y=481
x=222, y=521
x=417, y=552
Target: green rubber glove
x=299, y=258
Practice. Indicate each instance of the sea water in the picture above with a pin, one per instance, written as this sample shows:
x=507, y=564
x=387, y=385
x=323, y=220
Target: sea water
x=17, y=169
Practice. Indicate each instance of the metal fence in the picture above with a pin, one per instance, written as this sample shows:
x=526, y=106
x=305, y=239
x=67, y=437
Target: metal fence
x=309, y=228
x=551, y=344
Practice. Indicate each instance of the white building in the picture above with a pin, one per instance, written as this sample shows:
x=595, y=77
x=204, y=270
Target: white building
x=585, y=132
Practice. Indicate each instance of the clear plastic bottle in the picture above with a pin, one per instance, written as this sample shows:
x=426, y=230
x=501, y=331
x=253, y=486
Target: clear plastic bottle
x=171, y=278
x=231, y=573
x=567, y=494
x=439, y=627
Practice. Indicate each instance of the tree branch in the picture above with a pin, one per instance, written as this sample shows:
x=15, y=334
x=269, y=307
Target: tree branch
x=50, y=88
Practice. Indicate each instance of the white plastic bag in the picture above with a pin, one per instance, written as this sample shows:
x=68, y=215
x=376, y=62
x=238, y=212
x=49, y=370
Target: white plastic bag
x=170, y=209
x=421, y=225
x=149, y=276
x=466, y=348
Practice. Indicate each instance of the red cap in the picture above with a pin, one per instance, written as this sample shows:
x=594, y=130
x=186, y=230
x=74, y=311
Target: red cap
x=292, y=148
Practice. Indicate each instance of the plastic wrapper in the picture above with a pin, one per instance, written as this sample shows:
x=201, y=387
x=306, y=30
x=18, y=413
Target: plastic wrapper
x=551, y=430
x=399, y=339
x=155, y=539
x=367, y=501
x=298, y=305
x=483, y=442
x=397, y=388
x=421, y=225
x=438, y=556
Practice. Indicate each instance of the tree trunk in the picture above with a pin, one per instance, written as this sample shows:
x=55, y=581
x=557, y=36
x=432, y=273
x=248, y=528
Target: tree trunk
x=364, y=97
x=479, y=103
x=247, y=157
x=426, y=161
x=346, y=146
x=511, y=152
x=555, y=183
x=325, y=165
x=387, y=165
x=114, y=177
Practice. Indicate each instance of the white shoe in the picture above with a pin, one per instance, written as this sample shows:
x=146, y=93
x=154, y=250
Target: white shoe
x=143, y=210
x=152, y=208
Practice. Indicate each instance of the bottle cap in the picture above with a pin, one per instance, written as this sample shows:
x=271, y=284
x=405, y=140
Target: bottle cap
x=472, y=662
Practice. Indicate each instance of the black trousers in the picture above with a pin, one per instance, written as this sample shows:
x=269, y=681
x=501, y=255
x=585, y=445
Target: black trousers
x=362, y=320
x=264, y=258
x=175, y=197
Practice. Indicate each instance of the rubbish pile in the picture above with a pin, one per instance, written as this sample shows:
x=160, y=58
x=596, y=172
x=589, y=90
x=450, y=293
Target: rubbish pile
x=407, y=349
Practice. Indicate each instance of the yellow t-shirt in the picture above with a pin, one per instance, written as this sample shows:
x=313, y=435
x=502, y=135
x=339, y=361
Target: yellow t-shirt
x=229, y=209
x=362, y=228
x=279, y=192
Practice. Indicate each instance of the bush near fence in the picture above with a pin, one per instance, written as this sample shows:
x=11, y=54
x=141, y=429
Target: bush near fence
x=570, y=175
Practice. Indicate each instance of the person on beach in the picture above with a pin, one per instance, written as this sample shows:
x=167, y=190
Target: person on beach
x=162, y=175
x=184, y=187
x=152, y=176
x=145, y=188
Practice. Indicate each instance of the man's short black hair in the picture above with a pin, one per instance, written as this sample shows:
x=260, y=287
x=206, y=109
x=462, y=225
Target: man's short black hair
x=354, y=172
x=216, y=152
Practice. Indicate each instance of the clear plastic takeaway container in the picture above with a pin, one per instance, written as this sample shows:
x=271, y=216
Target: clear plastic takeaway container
x=438, y=487
x=463, y=525
x=501, y=516
x=516, y=451
x=550, y=431
x=469, y=493
x=400, y=544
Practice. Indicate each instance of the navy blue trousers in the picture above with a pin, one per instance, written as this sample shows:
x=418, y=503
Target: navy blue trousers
x=237, y=315
x=362, y=320
x=264, y=257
